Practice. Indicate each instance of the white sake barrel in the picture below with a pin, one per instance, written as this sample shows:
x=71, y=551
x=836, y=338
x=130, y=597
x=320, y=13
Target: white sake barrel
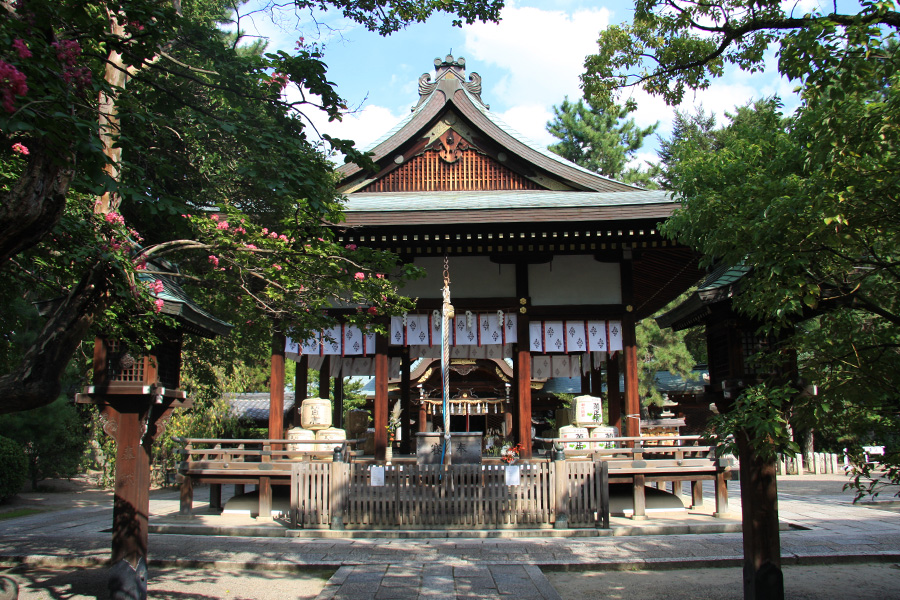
x=570, y=432
x=315, y=413
x=588, y=410
x=298, y=433
x=330, y=434
x=604, y=432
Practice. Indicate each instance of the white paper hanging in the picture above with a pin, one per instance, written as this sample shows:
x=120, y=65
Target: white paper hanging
x=511, y=325
x=353, y=341
x=491, y=329
x=465, y=335
x=596, y=331
x=398, y=331
x=615, y=336
x=554, y=337
x=417, y=330
x=369, y=342
x=360, y=367
x=477, y=351
x=311, y=346
x=315, y=362
x=331, y=340
x=536, y=336
x=541, y=367
x=335, y=366
x=561, y=366
x=576, y=340
x=394, y=368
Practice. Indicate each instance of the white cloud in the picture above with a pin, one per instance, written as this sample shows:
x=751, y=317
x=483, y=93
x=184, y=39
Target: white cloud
x=542, y=52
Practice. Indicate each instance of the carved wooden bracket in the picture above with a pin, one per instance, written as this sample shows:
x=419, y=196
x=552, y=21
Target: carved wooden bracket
x=452, y=146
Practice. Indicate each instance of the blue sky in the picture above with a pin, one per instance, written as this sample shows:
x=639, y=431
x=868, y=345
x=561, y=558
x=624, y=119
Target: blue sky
x=528, y=62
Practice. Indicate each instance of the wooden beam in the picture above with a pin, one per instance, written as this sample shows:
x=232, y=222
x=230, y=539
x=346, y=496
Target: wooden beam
x=405, y=403
x=325, y=379
x=629, y=342
x=523, y=388
x=301, y=383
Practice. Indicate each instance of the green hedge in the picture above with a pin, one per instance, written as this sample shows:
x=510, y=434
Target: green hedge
x=13, y=468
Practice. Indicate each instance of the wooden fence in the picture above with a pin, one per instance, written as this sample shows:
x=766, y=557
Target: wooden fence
x=418, y=496
x=822, y=463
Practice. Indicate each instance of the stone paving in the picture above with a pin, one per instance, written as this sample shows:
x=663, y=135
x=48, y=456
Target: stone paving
x=822, y=526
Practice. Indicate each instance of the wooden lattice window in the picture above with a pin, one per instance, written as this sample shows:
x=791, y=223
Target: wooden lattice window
x=472, y=171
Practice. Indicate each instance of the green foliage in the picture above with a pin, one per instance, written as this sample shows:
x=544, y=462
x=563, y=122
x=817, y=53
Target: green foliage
x=54, y=438
x=808, y=201
x=13, y=468
x=660, y=350
x=760, y=415
x=603, y=140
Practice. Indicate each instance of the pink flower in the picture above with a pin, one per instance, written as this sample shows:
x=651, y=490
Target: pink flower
x=214, y=260
x=276, y=267
x=372, y=310
x=115, y=218
x=265, y=230
x=156, y=287
x=140, y=266
x=14, y=85
x=251, y=247
x=360, y=276
x=20, y=149
x=159, y=303
x=273, y=235
x=379, y=275
x=222, y=225
x=21, y=48
x=214, y=217
x=240, y=230
x=350, y=246
x=283, y=238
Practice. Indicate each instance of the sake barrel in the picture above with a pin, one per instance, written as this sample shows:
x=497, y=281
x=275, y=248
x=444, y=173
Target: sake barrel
x=570, y=432
x=315, y=413
x=298, y=433
x=329, y=434
x=588, y=410
x=604, y=432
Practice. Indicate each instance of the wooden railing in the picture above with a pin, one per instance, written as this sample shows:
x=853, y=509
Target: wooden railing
x=338, y=490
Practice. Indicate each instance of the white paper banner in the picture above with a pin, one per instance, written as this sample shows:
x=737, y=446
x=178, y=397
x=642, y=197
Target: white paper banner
x=311, y=347
x=397, y=331
x=377, y=476
x=541, y=367
x=554, y=337
x=353, y=341
x=417, y=330
x=512, y=332
x=615, y=336
x=596, y=331
x=335, y=366
x=536, y=335
x=491, y=329
x=465, y=335
x=331, y=340
x=576, y=340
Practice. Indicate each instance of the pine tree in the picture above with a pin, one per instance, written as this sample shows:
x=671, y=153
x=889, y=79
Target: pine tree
x=603, y=141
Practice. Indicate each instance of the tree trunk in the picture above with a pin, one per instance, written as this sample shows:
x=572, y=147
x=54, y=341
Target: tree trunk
x=35, y=204
x=36, y=381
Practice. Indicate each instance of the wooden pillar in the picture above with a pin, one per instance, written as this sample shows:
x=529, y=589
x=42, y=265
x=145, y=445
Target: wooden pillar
x=380, y=417
x=325, y=379
x=614, y=395
x=629, y=342
x=276, y=387
x=406, y=446
x=131, y=505
x=301, y=385
x=523, y=388
x=763, y=578
x=337, y=412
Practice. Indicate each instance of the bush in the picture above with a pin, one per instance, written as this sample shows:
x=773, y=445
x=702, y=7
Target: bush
x=13, y=468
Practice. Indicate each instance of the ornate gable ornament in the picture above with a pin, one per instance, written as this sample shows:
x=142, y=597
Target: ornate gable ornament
x=449, y=68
